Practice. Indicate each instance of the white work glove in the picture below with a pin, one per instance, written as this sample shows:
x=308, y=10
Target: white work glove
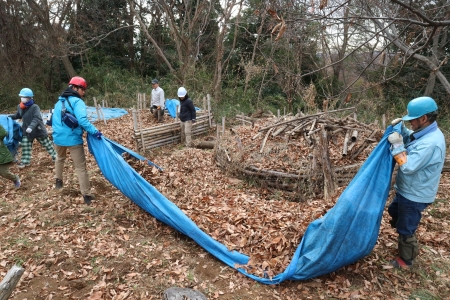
x=396, y=121
x=29, y=130
x=397, y=147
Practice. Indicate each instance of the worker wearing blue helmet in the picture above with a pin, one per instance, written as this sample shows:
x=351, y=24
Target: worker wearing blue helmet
x=417, y=180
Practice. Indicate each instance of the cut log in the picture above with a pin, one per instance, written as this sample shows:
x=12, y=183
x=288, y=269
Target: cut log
x=10, y=281
x=205, y=145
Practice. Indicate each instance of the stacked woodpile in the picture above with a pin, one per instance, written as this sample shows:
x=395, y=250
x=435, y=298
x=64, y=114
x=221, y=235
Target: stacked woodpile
x=311, y=154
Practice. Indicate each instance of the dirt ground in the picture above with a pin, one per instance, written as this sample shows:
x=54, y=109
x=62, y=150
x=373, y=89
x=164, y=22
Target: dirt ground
x=112, y=249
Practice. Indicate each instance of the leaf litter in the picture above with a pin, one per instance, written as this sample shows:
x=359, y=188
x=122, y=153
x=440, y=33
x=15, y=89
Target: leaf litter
x=114, y=250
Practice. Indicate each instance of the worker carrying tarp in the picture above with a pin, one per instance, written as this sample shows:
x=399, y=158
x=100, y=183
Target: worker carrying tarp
x=14, y=134
x=345, y=234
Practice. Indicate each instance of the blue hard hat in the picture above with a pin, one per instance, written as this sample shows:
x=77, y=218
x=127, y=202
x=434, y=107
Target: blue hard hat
x=26, y=92
x=419, y=107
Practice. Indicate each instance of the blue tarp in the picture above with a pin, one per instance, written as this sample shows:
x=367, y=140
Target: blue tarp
x=171, y=106
x=14, y=137
x=345, y=234
x=91, y=112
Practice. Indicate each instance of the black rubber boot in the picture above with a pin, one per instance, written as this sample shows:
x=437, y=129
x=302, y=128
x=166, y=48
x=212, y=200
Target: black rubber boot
x=58, y=184
x=88, y=199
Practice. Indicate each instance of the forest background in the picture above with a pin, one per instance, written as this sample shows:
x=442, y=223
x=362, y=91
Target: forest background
x=248, y=55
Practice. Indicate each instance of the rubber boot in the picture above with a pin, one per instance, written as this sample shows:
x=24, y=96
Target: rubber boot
x=88, y=199
x=408, y=248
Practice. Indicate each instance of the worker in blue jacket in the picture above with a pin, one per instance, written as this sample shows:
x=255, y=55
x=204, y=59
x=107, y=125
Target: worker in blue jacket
x=418, y=176
x=67, y=138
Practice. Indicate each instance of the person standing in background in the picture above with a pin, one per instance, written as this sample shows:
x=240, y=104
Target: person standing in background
x=158, y=101
x=187, y=116
x=66, y=138
x=32, y=127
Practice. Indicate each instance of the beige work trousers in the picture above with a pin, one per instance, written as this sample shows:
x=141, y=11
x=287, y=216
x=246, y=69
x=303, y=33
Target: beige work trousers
x=79, y=162
x=186, y=130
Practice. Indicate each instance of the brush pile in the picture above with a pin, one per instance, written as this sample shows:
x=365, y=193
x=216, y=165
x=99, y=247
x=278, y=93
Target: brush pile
x=310, y=154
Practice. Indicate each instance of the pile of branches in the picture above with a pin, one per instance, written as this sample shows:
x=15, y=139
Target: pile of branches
x=311, y=154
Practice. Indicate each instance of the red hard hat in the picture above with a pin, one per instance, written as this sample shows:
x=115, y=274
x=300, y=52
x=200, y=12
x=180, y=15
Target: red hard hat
x=78, y=81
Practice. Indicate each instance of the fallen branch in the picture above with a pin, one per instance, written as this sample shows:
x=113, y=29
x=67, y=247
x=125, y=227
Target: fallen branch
x=10, y=281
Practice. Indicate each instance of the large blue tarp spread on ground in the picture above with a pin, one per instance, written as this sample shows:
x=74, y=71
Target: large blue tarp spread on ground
x=345, y=234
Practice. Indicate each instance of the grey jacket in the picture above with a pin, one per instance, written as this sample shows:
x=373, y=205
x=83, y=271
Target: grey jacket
x=31, y=117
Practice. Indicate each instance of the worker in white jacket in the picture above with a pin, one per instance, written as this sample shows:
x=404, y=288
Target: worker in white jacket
x=158, y=100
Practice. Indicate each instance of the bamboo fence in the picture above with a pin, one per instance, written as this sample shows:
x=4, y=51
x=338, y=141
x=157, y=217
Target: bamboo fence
x=156, y=136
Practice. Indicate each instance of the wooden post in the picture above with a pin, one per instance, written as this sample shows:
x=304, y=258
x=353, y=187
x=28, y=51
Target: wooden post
x=345, y=149
x=204, y=103
x=145, y=102
x=325, y=105
x=383, y=119
x=103, y=103
x=10, y=281
x=223, y=125
x=107, y=103
x=278, y=113
x=208, y=97
x=101, y=113
x=96, y=109
x=140, y=129
x=135, y=125
x=328, y=177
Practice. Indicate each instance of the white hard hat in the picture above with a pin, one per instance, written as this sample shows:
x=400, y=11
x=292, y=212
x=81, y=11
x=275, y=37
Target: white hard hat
x=182, y=92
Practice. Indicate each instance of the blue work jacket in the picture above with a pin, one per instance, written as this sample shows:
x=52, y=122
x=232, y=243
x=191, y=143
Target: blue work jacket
x=418, y=178
x=63, y=135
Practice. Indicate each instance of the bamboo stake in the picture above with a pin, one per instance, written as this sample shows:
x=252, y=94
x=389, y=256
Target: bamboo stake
x=208, y=97
x=363, y=146
x=134, y=120
x=265, y=140
x=256, y=135
x=354, y=135
x=345, y=149
x=223, y=125
x=280, y=130
x=101, y=113
x=312, y=127
x=96, y=108
x=328, y=178
x=140, y=126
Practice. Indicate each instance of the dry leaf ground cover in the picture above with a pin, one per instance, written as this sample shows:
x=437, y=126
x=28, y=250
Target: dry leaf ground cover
x=114, y=250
